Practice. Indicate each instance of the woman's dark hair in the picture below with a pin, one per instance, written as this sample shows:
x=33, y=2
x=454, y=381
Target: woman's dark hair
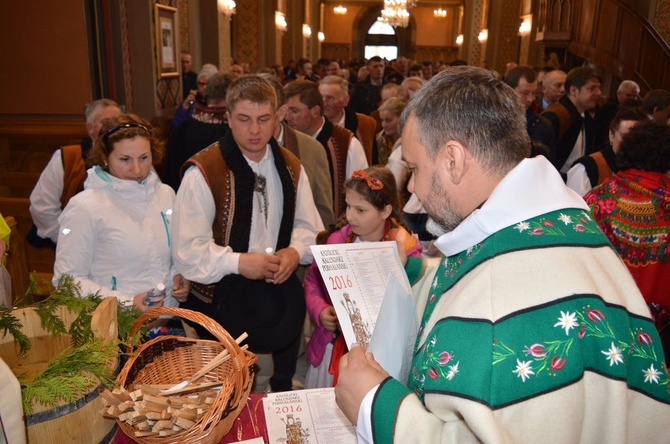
x=625, y=113
x=646, y=147
x=125, y=126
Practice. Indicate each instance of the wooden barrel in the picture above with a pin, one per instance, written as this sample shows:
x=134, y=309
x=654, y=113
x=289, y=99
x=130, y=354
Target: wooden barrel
x=77, y=422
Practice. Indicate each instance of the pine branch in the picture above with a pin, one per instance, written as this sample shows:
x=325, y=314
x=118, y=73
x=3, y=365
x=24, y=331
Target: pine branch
x=80, y=329
x=92, y=357
x=70, y=375
x=10, y=323
x=67, y=294
x=56, y=390
x=28, y=297
x=125, y=318
x=49, y=321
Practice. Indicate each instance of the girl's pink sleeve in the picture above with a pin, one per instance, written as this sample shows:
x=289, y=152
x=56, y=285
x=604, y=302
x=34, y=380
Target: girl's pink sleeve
x=316, y=295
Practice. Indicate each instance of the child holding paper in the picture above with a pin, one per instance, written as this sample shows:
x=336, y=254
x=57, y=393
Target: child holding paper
x=372, y=215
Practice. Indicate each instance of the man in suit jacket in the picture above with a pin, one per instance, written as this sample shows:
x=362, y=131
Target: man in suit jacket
x=189, y=79
x=524, y=82
x=574, y=127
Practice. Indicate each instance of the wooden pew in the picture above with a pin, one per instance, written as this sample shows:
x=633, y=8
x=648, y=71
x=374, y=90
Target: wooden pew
x=26, y=258
x=26, y=145
x=17, y=264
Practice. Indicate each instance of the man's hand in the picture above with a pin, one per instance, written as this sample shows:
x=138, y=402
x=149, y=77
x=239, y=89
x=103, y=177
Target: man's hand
x=139, y=302
x=401, y=243
x=358, y=374
x=190, y=98
x=328, y=318
x=180, y=288
x=288, y=262
x=258, y=266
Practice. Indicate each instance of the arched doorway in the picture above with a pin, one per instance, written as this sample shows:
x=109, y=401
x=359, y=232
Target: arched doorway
x=403, y=37
x=381, y=40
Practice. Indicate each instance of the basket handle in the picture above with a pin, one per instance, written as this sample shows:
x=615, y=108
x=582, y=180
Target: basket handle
x=210, y=324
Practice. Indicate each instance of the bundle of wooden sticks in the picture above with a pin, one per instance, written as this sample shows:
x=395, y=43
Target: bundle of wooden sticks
x=151, y=412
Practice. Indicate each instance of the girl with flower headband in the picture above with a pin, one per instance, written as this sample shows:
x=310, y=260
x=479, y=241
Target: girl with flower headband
x=372, y=215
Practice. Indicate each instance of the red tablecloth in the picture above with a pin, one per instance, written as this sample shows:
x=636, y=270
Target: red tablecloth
x=250, y=424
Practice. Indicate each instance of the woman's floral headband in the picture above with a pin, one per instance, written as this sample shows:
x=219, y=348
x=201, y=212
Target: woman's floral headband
x=373, y=183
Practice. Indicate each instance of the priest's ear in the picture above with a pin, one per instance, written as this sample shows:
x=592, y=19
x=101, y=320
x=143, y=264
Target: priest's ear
x=452, y=158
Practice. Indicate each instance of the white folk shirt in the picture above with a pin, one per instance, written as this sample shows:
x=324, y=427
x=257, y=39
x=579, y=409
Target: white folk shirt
x=198, y=258
x=356, y=159
x=578, y=151
x=578, y=179
x=45, y=205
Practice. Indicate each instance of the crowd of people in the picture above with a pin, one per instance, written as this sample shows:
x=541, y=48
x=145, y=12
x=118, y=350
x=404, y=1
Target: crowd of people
x=526, y=309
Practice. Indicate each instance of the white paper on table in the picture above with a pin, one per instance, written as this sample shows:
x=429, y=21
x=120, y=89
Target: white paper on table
x=257, y=440
x=355, y=276
x=392, y=339
x=309, y=416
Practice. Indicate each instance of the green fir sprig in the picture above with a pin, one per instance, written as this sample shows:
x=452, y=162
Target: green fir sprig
x=70, y=375
x=73, y=373
x=11, y=324
x=125, y=318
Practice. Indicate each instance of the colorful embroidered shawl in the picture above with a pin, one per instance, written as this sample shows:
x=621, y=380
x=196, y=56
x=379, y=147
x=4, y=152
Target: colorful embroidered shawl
x=633, y=209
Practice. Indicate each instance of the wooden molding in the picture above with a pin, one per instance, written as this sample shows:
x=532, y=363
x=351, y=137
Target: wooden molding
x=35, y=127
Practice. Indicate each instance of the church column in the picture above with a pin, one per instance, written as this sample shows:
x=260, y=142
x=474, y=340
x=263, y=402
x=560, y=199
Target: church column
x=225, y=52
x=661, y=19
x=474, y=21
x=295, y=16
x=503, y=39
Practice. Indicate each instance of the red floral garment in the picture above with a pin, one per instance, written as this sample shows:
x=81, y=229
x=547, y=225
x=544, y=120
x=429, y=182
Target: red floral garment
x=633, y=209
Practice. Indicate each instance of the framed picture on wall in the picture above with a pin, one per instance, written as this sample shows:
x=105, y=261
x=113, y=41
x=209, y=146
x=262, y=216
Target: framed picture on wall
x=166, y=41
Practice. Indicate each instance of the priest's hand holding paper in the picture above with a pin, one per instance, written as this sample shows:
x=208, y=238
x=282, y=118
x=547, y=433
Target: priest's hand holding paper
x=328, y=318
x=288, y=262
x=358, y=374
x=258, y=266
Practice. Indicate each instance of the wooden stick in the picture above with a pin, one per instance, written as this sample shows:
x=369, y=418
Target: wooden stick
x=193, y=388
x=218, y=360
x=215, y=362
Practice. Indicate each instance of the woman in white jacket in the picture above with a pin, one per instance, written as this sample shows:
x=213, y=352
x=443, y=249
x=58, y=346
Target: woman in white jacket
x=114, y=236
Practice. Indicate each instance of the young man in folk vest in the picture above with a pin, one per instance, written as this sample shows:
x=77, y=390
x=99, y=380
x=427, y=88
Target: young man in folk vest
x=593, y=169
x=244, y=219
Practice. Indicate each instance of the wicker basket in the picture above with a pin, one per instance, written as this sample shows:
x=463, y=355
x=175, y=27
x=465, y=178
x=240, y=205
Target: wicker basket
x=172, y=359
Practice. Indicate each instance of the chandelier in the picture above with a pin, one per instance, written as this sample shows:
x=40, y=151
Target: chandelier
x=227, y=7
x=395, y=13
x=340, y=10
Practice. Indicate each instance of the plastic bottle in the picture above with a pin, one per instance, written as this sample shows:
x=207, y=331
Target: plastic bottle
x=155, y=295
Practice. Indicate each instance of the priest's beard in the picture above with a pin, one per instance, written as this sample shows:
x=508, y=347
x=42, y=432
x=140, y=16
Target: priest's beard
x=442, y=218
